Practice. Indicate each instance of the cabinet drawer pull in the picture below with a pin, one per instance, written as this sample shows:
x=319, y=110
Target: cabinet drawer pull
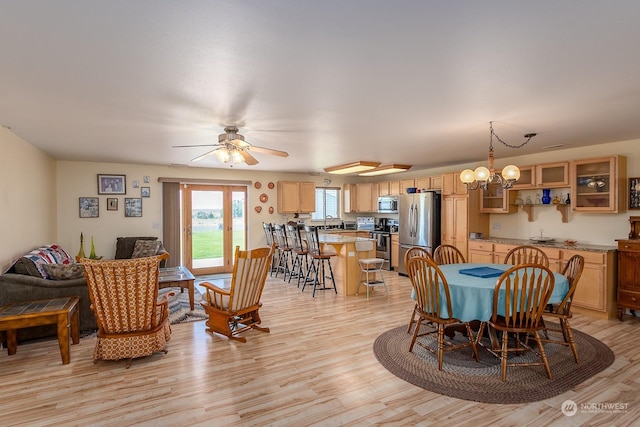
x=633, y=299
x=627, y=246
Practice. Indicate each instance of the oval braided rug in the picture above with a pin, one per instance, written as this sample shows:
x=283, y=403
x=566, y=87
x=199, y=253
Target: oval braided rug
x=464, y=378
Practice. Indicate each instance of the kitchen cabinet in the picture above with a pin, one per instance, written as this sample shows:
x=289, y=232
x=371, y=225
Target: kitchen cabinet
x=294, y=197
x=599, y=185
x=628, y=276
x=395, y=251
x=451, y=184
x=394, y=188
x=362, y=197
x=497, y=200
x=406, y=183
x=480, y=252
x=547, y=175
x=436, y=182
x=429, y=183
x=459, y=217
x=596, y=291
x=383, y=188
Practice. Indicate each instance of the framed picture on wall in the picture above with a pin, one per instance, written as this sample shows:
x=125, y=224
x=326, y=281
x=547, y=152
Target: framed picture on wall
x=112, y=184
x=112, y=204
x=89, y=207
x=132, y=206
x=145, y=192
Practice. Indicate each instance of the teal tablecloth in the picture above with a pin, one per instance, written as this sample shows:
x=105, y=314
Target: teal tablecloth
x=472, y=297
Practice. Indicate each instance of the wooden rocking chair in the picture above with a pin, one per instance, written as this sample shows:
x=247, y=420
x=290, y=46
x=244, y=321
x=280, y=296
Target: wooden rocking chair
x=235, y=310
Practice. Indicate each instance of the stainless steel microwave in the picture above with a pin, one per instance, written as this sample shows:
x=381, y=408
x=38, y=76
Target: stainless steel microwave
x=388, y=204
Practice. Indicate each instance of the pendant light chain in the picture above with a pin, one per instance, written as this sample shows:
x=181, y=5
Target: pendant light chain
x=528, y=136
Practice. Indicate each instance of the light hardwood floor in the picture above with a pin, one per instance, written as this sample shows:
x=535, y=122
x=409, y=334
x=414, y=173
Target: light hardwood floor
x=316, y=367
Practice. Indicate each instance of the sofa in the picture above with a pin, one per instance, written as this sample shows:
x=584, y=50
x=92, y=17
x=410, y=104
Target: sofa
x=50, y=272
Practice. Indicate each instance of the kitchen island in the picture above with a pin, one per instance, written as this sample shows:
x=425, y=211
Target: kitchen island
x=345, y=265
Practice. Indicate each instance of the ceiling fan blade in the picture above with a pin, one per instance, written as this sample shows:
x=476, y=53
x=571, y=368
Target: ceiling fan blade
x=269, y=151
x=248, y=158
x=205, y=155
x=196, y=145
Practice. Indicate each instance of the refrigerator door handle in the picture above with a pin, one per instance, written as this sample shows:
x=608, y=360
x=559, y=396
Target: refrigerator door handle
x=411, y=220
x=415, y=220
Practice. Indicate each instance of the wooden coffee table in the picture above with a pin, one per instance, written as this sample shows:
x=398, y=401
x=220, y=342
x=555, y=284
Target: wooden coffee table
x=173, y=277
x=60, y=311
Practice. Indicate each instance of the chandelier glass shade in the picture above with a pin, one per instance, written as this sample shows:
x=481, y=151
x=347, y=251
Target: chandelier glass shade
x=482, y=176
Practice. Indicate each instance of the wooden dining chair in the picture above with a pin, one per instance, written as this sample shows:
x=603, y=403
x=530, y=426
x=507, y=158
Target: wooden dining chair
x=448, y=254
x=526, y=254
x=235, y=310
x=413, y=252
x=432, y=292
x=562, y=311
x=519, y=299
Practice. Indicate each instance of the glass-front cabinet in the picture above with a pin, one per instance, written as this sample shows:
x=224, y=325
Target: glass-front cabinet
x=497, y=200
x=599, y=184
x=548, y=175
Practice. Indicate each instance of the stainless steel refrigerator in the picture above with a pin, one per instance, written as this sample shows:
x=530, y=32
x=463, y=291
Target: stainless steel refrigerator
x=419, y=223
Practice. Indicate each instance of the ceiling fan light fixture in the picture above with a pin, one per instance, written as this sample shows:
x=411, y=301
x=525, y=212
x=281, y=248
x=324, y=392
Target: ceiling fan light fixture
x=383, y=170
x=355, y=167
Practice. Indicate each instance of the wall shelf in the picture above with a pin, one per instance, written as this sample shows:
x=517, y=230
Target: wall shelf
x=561, y=207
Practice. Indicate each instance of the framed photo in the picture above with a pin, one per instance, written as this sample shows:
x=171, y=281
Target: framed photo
x=112, y=204
x=634, y=193
x=145, y=192
x=132, y=206
x=112, y=184
x=136, y=184
x=89, y=207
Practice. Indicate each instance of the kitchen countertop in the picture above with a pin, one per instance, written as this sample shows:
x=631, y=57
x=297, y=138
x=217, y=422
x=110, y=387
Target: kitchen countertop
x=329, y=238
x=555, y=244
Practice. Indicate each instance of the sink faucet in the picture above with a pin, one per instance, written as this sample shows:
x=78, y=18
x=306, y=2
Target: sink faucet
x=326, y=217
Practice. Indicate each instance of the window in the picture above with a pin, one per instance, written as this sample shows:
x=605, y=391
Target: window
x=327, y=203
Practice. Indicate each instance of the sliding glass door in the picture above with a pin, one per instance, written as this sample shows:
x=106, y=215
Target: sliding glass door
x=214, y=223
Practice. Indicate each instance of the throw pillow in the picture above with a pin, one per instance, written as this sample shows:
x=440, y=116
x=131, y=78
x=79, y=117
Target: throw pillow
x=125, y=245
x=145, y=248
x=64, y=271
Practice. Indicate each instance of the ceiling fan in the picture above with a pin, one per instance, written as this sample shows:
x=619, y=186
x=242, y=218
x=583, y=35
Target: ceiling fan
x=231, y=147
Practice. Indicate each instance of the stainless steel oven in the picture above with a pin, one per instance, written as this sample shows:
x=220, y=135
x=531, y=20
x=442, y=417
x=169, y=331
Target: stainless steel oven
x=383, y=246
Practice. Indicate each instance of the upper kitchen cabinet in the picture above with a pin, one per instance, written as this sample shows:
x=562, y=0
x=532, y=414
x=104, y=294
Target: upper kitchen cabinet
x=451, y=184
x=429, y=183
x=548, y=175
x=383, y=188
x=407, y=183
x=362, y=197
x=497, y=200
x=394, y=188
x=599, y=184
x=294, y=197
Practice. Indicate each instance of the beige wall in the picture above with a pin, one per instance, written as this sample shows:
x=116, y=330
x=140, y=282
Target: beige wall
x=79, y=179
x=39, y=200
x=27, y=198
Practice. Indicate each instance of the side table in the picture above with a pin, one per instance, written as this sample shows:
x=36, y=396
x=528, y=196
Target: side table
x=60, y=311
x=178, y=277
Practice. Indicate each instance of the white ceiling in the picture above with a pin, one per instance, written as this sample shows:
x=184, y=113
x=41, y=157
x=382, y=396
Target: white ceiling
x=330, y=82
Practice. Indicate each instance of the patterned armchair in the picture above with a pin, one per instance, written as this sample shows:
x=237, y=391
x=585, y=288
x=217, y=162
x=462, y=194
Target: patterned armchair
x=132, y=322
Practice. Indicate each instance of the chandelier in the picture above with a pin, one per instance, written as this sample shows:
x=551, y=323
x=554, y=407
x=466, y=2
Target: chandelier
x=482, y=176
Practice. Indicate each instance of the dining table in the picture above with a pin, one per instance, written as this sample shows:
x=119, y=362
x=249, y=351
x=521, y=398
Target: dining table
x=472, y=296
